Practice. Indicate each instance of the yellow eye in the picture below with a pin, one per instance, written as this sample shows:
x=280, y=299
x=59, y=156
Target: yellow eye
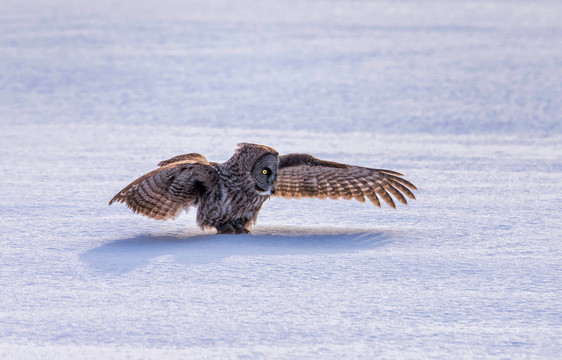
x=265, y=171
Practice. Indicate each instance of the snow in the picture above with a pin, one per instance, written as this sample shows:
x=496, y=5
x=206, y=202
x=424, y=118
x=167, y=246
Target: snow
x=462, y=97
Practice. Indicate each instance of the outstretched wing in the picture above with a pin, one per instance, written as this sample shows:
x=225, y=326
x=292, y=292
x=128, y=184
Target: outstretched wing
x=163, y=193
x=303, y=175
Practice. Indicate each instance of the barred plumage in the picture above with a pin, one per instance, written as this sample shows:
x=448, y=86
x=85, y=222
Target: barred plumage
x=229, y=196
x=302, y=175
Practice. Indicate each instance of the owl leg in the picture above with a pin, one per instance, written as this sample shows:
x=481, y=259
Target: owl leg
x=240, y=227
x=242, y=230
x=232, y=228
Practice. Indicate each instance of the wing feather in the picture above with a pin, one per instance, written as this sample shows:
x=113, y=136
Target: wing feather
x=345, y=189
x=391, y=189
x=322, y=185
x=357, y=190
x=402, y=181
x=191, y=157
x=302, y=175
x=164, y=192
x=334, y=189
x=381, y=191
x=401, y=188
x=370, y=192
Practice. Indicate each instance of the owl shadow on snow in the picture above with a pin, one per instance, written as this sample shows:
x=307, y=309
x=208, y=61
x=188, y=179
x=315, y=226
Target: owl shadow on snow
x=124, y=255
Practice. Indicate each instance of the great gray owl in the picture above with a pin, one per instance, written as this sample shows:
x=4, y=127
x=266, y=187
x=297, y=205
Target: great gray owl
x=228, y=196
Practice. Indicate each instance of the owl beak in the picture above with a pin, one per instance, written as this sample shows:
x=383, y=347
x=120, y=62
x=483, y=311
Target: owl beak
x=269, y=191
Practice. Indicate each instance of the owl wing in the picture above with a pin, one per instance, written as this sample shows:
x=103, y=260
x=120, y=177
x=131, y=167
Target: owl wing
x=303, y=175
x=177, y=184
x=192, y=157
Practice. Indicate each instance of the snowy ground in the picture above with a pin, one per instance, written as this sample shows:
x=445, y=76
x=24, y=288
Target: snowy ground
x=463, y=97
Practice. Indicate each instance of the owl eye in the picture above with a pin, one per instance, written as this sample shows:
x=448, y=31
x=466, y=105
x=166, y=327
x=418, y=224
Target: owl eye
x=265, y=171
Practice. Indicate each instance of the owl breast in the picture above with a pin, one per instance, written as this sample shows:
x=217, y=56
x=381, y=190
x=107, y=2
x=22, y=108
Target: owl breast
x=230, y=208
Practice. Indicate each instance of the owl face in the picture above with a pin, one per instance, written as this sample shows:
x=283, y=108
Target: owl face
x=265, y=173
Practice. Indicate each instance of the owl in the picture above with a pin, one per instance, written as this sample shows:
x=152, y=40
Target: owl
x=228, y=196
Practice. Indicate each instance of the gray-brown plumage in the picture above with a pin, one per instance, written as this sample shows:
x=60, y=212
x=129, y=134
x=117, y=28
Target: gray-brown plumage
x=228, y=196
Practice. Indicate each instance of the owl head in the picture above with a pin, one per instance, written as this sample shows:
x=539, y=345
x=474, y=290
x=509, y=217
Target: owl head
x=259, y=165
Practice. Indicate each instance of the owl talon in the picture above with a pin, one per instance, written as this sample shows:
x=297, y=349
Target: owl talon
x=232, y=228
x=233, y=231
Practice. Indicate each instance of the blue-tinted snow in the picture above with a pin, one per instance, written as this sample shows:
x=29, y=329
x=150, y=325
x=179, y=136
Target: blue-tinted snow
x=462, y=97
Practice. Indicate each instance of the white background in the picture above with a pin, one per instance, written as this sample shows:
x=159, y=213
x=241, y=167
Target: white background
x=462, y=97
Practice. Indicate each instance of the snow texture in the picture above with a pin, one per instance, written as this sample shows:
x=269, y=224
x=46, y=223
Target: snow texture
x=463, y=97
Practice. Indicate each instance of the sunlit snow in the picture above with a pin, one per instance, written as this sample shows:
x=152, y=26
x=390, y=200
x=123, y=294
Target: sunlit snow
x=462, y=97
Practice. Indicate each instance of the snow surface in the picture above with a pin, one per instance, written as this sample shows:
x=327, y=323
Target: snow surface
x=462, y=97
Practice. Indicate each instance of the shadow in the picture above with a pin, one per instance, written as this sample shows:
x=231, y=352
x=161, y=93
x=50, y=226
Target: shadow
x=124, y=255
